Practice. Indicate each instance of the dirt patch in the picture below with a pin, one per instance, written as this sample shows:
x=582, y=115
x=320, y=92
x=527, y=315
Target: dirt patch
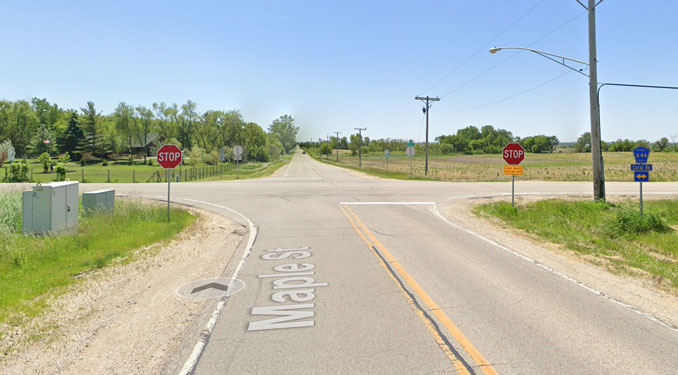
x=125, y=319
x=642, y=291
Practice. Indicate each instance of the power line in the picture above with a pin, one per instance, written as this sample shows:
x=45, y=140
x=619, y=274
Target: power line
x=484, y=46
x=508, y=97
x=513, y=55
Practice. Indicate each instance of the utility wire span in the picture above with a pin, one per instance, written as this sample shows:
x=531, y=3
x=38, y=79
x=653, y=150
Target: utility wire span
x=480, y=49
x=508, y=97
x=484, y=46
x=512, y=56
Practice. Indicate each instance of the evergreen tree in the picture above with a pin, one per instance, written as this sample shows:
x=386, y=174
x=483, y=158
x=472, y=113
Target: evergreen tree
x=73, y=138
x=89, y=123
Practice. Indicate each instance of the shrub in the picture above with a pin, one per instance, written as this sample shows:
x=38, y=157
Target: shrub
x=628, y=221
x=130, y=160
x=105, y=163
x=64, y=158
x=149, y=162
x=83, y=161
x=45, y=160
x=18, y=172
x=60, y=172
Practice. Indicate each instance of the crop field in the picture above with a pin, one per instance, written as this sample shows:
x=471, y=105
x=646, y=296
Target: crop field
x=558, y=166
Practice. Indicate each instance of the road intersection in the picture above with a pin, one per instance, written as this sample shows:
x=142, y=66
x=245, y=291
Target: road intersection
x=346, y=273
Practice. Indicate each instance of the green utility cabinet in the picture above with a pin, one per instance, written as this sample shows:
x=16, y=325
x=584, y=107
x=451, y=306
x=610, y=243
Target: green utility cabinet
x=51, y=207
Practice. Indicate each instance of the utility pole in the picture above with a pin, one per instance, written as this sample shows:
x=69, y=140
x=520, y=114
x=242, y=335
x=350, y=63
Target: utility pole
x=360, y=146
x=427, y=107
x=596, y=149
x=327, y=150
x=337, y=133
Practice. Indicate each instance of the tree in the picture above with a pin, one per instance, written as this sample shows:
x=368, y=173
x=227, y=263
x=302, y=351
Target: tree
x=583, y=143
x=143, y=127
x=284, y=127
x=89, y=122
x=123, y=121
x=42, y=142
x=661, y=145
x=186, y=119
x=73, y=138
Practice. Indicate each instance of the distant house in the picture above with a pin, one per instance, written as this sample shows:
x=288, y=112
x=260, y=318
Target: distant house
x=153, y=143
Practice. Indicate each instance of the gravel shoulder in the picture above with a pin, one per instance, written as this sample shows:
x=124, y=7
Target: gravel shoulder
x=125, y=319
x=643, y=293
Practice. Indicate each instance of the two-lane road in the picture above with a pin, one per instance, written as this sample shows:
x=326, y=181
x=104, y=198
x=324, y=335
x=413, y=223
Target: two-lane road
x=352, y=274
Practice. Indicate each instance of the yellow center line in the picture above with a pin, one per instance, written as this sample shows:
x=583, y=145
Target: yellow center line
x=487, y=368
x=461, y=369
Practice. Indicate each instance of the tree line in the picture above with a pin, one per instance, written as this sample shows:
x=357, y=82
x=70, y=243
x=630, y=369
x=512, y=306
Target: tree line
x=37, y=126
x=625, y=145
x=469, y=140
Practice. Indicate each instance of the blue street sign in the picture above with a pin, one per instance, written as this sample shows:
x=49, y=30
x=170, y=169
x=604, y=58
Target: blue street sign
x=641, y=167
x=641, y=176
x=641, y=154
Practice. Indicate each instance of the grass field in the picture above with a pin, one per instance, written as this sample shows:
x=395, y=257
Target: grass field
x=612, y=235
x=558, y=166
x=33, y=268
x=122, y=173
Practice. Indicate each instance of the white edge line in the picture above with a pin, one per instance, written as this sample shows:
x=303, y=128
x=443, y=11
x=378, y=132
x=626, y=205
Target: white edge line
x=199, y=347
x=385, y=203
x=435, y=211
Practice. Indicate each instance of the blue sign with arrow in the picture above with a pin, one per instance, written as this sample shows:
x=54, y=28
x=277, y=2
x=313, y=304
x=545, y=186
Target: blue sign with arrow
x=641, y=154
x=641, y=176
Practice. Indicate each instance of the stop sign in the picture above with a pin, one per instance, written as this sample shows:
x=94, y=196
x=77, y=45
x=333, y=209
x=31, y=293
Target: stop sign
x=169, y=156
x=513, y=153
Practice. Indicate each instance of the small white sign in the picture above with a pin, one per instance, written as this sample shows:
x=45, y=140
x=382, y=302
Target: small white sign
x=387, y=153
x=409, y=151
x=237, y=151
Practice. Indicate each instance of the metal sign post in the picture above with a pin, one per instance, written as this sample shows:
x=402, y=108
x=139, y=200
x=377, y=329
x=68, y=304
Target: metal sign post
x=387, y=154
x=513, y=154
x=641, y=169
x=237, y=151
x=168, y=195
x=410, y=152
x=169, y=156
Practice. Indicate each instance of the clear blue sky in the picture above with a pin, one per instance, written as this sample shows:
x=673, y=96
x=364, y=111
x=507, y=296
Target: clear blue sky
x=338, y=65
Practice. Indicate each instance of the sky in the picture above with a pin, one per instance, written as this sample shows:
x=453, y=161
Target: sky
x=340, y=65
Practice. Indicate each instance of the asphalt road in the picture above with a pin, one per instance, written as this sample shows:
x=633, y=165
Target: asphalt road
x=335, y=285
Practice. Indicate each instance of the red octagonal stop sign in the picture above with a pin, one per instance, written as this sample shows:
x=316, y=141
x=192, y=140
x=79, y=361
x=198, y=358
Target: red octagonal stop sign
x=513, y=153
x=169, y=156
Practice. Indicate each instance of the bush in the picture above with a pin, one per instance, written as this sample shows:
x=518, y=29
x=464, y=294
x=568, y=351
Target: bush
x=60, y=172
x=149, y=162
x=18, y=172
x=130, y=160
x=45, y=160
x=105, y=163
x=83, y=161
x=628, y=221
x=64, y=158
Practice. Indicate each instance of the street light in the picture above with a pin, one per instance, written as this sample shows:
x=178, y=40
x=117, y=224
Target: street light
x=596, y=149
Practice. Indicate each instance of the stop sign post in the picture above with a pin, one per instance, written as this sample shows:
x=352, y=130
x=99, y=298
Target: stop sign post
x=169, y=157
x=513, y=154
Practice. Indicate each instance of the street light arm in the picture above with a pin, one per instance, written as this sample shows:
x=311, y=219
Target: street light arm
x=551, y=56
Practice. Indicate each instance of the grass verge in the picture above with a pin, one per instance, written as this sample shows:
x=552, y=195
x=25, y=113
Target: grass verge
x=614, y=235
x=33, y=268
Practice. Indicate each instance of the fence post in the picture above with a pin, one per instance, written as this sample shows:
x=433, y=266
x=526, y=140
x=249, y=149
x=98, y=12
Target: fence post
x=134, y=176
x=31, y=174
x=109, y=176
x=82, y=172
